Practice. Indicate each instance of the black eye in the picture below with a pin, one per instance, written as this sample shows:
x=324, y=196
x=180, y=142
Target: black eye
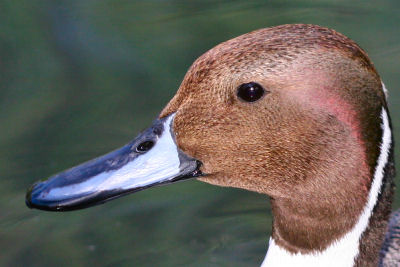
x=250, y=92
x=145, y=146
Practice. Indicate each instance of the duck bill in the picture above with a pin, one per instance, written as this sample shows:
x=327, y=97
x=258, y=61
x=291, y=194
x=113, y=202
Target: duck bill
x=153, y=158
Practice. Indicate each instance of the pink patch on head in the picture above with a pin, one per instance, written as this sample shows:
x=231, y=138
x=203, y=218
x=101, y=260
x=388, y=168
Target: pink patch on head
x=335, y=105
x=344, y=112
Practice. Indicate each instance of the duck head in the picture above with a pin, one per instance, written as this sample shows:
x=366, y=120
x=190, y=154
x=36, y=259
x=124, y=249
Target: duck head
x=293, y=112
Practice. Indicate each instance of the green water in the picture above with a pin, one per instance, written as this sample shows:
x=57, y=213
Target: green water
x=80, y=78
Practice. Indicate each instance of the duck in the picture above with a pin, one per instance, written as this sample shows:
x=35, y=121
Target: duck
x=296, y=112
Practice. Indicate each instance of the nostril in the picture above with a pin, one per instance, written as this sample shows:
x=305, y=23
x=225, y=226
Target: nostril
x=144, y=146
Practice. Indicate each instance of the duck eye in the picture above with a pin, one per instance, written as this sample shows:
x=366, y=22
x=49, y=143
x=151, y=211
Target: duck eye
x=144, y=147
x=250, y=92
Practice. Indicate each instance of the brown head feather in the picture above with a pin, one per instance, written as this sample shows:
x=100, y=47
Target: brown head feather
x=311, y=143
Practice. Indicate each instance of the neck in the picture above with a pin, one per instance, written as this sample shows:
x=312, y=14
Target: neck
x=354, y=239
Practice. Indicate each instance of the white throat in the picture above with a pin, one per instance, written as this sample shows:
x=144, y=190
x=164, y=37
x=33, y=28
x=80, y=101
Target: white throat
x=343, y=251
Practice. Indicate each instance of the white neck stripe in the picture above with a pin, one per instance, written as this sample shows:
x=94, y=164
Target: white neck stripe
x=385, y=91
x=343, y=251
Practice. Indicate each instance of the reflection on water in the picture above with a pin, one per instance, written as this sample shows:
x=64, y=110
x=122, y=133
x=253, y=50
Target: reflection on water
x=80, y=78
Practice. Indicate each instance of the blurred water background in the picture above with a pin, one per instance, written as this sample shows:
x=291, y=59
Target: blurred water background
x=80, y=78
